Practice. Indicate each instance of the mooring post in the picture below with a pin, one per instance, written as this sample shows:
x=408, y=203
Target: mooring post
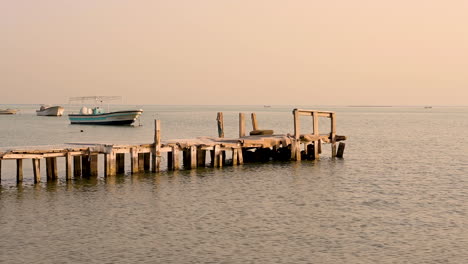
x=157, y=146
x=68, y=166
x=241, y=125
x=134, y=158
x=254, y=121
x=36, y=164
x=19, y=170
x=220, y=121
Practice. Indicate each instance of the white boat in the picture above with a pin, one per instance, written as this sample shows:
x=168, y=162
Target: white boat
x=97, y=115
x=8, y=111
x=47, y=110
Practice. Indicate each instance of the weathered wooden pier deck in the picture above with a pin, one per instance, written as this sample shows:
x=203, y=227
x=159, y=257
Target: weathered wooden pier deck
x=81, y=159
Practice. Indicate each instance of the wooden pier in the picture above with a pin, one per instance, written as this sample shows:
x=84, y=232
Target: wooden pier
x=81, y=160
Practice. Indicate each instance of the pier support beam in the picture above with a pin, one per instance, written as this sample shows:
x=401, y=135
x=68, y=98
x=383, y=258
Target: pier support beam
x=173, y=158
x=85, y=166
x=51, y=167
x=333, y=134
x=93, y=165
x=141, y=161
x=134, y=160
x=68, y=166
x=193, y=157
x=120, y=160
x=36, y=164
x=201, y=157
x=341, y=148
x=19, y=170
x=110, y=164
x=156, y=166
x=77, y=166
x=0, y=170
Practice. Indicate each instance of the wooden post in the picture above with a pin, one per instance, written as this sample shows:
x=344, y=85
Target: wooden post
x=157, y=147
x=110, y=164
x=317, y=147
x=169, y=161
x=134, y=158
x=201, y=157
x=175, y=158
x=220, y=120
x=120, y=159
x=234, y=156
x=241, y=125
x=0, y=170
x=85, y=166
x=141, y=161
x=240, y=157
x=36, y=164
x=77, y=166
x=93, y=165
x=297, y=129
x=193, y=157
x=19, y=170
x=341, y=148
x=333, y=134
x=68, y=166
x=254, y=121
x=146, y=161
x=51, y=167
x=216, y=157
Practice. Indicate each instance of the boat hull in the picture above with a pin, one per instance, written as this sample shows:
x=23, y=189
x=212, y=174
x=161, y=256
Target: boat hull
x=112, y=118
x=51, y=111
x=8, y=111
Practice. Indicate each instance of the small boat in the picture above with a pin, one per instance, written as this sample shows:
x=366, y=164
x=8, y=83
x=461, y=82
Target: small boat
x=47, y=110
x=8, y=111
x=97, y=115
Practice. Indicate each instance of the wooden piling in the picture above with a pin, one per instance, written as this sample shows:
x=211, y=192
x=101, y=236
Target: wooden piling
x=341, y=148
x=201, y=157
x=120, y=160
x=134, y=160
x=235, y=156
x=193, y=157
x=0, y=170
x=36, y=164
x=146, y=161
x=156, y=166
x=68, y=166
x=141, y=161
x=241, y=125
x=93, y=165
x=19, y=170
x=51, y=168
x=317, y=148
x=110, y=164
x=77, y=166
x=85, y=166
x=254, y=121
x=220, y=121
x=333, y=134
x=175, y=164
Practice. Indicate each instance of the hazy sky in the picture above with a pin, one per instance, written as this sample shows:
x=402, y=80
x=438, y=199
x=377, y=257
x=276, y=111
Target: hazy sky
x=348, y=52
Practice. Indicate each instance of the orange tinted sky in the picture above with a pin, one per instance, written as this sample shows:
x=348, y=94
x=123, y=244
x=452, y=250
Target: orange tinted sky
x=356, y=52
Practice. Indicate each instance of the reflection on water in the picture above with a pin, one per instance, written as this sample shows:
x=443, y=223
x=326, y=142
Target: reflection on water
x=399, y=196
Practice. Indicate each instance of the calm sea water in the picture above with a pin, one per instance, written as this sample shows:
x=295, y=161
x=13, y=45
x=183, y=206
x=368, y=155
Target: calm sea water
x=400, y=195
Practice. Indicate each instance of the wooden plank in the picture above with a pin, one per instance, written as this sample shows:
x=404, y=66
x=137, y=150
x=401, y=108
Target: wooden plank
x=220, y=121
x=241, y=125
x=341, y=148
x=36, y=164
x=68, y=166
x=254, y=121
x=77, y=166
x=19, y=170
x=134, y=159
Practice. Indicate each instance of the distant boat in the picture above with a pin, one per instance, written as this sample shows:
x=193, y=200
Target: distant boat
x=267, y=106
x=47, y=110
x=97, y=115
x=8, y=111
x=428, y=107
